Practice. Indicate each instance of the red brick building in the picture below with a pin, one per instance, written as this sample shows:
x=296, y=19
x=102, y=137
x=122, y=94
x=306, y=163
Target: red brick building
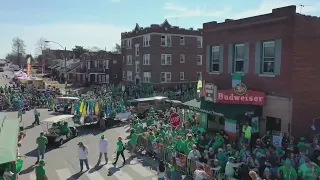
x=278, y=55
x=99, y=68
x=161, y=54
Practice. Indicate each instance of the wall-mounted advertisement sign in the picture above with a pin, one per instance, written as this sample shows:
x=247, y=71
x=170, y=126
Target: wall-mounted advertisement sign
x=210, y=92
x=240, y=95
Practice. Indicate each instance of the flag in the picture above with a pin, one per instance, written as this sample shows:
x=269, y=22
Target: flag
x=83, y=115
x=230, y=127
x=236, y=78
x=75, y=109
x=72, y=108
x=199, y=86
x=88, y=110
x=97, y=107
x=81, y=106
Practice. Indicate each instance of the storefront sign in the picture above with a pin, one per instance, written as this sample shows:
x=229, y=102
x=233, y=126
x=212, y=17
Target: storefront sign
x=175, y=119
x=240, y=95
x=210, y=92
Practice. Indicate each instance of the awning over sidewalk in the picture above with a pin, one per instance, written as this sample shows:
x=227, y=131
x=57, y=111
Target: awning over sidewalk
x=195, y=105
x=9, y=130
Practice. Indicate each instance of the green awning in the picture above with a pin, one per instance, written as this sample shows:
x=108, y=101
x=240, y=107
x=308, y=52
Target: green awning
x=195, y=105
x=9, y=129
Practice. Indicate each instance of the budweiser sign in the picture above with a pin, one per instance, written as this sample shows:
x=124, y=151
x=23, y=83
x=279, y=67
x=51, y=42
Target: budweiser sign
x=240, y=95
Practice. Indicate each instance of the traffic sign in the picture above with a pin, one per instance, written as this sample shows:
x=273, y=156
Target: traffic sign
x=174, y=120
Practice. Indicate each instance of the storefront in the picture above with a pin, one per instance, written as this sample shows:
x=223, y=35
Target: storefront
x=237, y=105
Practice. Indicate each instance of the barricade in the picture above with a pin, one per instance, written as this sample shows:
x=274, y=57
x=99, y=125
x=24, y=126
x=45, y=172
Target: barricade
x=166, y=153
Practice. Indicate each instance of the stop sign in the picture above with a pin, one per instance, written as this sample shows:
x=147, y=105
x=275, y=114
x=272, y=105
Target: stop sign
x=175, y=120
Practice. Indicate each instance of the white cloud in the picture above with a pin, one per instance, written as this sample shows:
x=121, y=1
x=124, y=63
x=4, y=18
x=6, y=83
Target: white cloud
x=183, y=12
x=266, y=7
x=115, y=1
x=67, y=34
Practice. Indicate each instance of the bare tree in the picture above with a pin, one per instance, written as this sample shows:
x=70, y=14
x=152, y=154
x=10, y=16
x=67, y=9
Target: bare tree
x=41, y=45
x=117, y=49
x=94, y=49
x=18, y=49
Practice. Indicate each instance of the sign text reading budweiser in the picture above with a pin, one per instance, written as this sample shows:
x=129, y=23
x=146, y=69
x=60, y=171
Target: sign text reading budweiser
x=250, y=97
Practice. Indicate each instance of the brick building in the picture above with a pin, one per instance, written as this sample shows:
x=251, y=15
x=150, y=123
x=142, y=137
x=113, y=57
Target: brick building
x=277, y=55
x=51, y=55
x=161, y=54
x=99, y=68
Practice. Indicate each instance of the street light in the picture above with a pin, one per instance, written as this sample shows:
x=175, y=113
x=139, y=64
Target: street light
x=65, y=61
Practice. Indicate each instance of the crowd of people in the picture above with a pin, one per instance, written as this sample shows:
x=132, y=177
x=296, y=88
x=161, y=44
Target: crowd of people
x=188, y=149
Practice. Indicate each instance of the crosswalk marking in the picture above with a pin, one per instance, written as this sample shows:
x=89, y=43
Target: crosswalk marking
x=33, y=176
x=64, y=174
x=119, y=174
x=137, y=167
x=94, y=175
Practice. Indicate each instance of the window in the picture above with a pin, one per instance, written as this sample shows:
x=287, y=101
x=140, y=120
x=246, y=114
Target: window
x=114, y=61
x=165, y=77
x=129, y=41
x=123, y=58
x=165, y=59
x=88, y=64
x=199, y=60
x=182, y=58
x=123, y=75
x=147, y=77
x=268, y=57
x=107, y=64
x=137, y=49
x=137, y=63
x=146, y=59
x=215, y=56
x=129, y=60
x=129, y=75
x=199, y=76
x=96, y=64
x=146, y=40
x=181, y=75
x=182, y=40
x=238, y=58
x=199, y=42
x=122, y=43
x=81, y=65
x=166, y=40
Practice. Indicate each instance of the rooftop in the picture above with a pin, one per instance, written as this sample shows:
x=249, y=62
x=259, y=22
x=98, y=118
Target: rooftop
x=165, y=27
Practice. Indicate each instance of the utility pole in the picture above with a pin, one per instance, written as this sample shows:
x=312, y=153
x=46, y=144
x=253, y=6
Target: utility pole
x=65, y=68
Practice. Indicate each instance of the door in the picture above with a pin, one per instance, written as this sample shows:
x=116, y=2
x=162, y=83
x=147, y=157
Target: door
x=137, y=81
x=273, y=124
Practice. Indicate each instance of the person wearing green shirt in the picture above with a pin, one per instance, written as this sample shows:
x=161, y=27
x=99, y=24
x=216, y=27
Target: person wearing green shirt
x=41, y=142
x=180, y=145
x=301, y=145
x=308, y=170
x=287, y=172
x=188, y=144
x=133, y=140
x=120, y=149
x=40, y=171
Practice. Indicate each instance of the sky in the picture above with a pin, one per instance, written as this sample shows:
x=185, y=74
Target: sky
x=99, y=23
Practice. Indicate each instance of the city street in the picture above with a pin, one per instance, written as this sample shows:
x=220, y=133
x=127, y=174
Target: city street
x=62, y=162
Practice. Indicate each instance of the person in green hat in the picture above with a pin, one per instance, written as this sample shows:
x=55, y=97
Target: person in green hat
x=103, y=149
x=230, y=166
x=120, y=149
x=287, y=172
x=40, y=171
x=302, y=145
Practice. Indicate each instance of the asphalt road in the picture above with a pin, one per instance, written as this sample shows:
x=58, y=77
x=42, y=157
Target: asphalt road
x=62, y=162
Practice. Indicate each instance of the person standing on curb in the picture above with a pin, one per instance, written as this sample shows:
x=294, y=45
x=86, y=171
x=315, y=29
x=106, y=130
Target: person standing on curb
x=83, y=155
x=40, y=171
x=20, y=114
x=120, y=149
x=41, y=141
x=103, y=148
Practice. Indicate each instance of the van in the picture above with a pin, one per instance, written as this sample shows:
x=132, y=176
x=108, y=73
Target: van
x=142, y=105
